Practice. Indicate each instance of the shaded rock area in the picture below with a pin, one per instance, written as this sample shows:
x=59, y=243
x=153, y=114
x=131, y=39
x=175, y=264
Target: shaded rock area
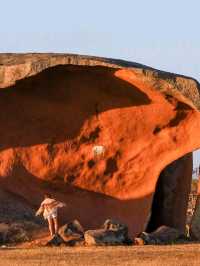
x=171, y=195
x=162, y=235
x=14, y=208
x=17, y=219
x=15, y=233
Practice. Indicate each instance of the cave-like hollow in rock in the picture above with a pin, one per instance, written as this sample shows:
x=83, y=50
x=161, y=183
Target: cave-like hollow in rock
x=54, y=109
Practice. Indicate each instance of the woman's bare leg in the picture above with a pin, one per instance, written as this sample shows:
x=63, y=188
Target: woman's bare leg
x=55, y=220
x=51, y=227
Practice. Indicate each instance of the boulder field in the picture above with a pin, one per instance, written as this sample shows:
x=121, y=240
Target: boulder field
x=56, y=108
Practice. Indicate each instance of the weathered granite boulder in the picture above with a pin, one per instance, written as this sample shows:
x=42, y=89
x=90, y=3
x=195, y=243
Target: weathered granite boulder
x=55, y=108
x=71, y=230
x=13, y=233
x=114, y=225
x=58, y=240
x=163, y=235
x=103, y=237
x=17, y=233
x=55, y=241
x=113, y=233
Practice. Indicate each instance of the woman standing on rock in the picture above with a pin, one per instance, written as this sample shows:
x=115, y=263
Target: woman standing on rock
x=49, y=209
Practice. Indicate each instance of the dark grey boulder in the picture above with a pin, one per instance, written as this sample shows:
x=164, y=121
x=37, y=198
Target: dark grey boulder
x=112, y=233
x=71, y=230
x=56, y=241
x=162, y=235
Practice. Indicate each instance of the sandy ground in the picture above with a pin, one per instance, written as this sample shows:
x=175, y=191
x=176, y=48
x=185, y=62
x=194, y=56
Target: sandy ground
x=108, y=256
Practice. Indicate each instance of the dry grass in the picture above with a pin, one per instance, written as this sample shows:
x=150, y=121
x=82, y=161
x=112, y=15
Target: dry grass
x=107, y=256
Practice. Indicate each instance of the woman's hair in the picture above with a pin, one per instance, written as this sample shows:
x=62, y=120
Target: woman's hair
x=48, y=195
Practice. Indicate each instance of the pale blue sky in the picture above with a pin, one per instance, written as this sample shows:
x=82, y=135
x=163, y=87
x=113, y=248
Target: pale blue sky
x=162, y=34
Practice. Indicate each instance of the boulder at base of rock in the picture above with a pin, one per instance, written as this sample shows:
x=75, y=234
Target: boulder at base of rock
x=162, y=235
x=113, y=233
x=115, y=226
x=17, y=233
x=72, y=230
x=56, y=241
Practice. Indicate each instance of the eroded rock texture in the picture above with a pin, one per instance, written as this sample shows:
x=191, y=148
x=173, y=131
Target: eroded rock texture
x=55, y=108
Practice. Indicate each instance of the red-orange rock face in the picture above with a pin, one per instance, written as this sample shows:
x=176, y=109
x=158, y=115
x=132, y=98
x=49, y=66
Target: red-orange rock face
x=55, y=108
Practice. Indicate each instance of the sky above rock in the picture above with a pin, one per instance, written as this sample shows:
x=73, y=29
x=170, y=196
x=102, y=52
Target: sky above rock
x=162, y=34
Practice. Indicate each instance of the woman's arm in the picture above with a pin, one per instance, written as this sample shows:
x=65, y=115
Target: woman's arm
x=40, y=210
x=58, y=204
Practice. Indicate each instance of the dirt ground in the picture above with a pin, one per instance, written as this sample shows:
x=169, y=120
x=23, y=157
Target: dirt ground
x=108, y=256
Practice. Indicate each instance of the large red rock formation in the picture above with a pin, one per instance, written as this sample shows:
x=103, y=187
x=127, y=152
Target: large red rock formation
x=55, y=108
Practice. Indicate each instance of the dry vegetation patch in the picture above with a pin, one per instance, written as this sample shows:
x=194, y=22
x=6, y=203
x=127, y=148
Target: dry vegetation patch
x=108, y=256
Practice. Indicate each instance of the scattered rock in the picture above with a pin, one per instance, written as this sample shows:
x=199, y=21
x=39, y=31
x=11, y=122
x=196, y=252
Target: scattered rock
x=101, y=237
x=56, y=241
x=21, y=231
x=17, y=233
x=72, y=230
x=163, y=235
x=113, y=233
x=13, y=233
